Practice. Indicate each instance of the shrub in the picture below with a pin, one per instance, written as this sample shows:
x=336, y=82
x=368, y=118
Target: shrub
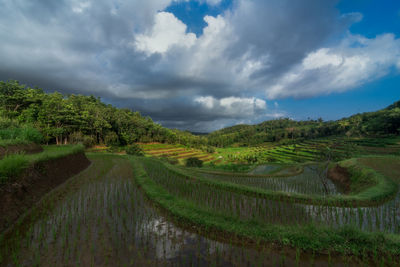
x=170, y=160
x=26, y=133
x=31, y=134
x=11, y=166
x=134, y=149
x=194, y=162
x=111, y=139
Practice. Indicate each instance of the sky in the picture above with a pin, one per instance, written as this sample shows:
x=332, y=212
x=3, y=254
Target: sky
x=202, y=65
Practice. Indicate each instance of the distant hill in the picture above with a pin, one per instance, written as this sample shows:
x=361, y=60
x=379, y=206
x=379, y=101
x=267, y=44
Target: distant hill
x=394, y=105
x=199, y=133
x=379, y=123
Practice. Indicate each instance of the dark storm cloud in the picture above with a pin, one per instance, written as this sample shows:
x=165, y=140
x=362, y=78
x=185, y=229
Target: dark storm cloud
x=89, y=47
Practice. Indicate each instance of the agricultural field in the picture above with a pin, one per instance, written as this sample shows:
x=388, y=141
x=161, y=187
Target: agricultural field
x=127, y=210
x=308, y=150
x=102, y=218
x=178, y=152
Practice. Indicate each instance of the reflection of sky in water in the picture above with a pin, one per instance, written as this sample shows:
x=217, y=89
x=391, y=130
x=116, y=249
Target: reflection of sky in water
x=172, y=241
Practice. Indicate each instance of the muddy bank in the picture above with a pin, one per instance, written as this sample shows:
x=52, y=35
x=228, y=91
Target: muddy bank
x=14, y=149
x=35, y=182
x=341, y=177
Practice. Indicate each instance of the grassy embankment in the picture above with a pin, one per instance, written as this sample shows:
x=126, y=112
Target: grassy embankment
x=12, y=165
x=344, y=240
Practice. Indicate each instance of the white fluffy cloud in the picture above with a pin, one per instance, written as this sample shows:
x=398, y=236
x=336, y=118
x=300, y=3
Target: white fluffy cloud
x=233, y=106
x=166, y=32
x=355, y=61
x=135, y=54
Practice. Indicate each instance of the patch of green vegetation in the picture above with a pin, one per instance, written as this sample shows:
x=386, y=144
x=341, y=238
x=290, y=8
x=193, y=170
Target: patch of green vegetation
x=13, y=142
x=134, y=149
x=386, y=165
x=194, y=162
x=345, y=240
x=367, y=184
x=11, y=166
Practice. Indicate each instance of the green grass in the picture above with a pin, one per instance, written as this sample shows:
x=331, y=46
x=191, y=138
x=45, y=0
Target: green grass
x=13, y=142
x=345, y=240
x=368, y=184
x=25, y=133
x=11, y=166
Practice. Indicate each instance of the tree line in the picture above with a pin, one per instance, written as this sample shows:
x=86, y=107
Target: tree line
x=64, y=119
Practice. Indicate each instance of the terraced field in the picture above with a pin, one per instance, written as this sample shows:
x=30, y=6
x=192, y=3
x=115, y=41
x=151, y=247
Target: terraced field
x=295, y=211
x=101, y=217
x=141, y=211
x=309, y=150
x=178, y=152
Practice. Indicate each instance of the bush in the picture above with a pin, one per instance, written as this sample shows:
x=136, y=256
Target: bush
x=172, y=161
x=134, y=149
x=111, y=139
x=11, y=166
x=31, y=134
x=26, y=133
x=194, y=162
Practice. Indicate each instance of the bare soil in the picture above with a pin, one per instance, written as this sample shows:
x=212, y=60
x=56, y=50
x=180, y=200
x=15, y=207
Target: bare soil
x=341, y=177
x=14, y=149
x=34, y=183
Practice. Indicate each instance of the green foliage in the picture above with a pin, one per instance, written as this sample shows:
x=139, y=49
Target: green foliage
x=169, y=160
x=25, y=133
x=194, y=162
x=11, y=166
x=134, y=149
x=286, y=131
x=208, y=149
x=82, y=119
x=111, y=139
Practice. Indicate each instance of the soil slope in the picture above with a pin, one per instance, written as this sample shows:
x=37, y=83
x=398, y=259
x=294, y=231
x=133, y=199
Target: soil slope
x=35, y=182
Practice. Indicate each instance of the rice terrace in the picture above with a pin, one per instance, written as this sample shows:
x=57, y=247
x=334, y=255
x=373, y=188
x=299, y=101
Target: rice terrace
x=97, y=199
x=199, y=133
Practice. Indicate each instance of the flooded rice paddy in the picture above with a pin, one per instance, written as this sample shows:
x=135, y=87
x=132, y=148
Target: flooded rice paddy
x=383, y=218
x=308, y=182
x=102, y=218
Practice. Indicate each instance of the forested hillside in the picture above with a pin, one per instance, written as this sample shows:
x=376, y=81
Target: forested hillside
x=73, y=118
x=369, y=124
x=63, y=119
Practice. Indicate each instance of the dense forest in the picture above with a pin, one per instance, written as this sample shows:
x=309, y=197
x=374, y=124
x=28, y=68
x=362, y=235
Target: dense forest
x=64, y=119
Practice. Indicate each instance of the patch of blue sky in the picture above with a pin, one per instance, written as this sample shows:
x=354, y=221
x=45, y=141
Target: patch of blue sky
x=192, y=13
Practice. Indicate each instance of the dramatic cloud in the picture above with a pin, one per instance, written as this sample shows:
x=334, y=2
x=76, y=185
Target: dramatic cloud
x=166, y=32
x=135, y=54
x=357, y=60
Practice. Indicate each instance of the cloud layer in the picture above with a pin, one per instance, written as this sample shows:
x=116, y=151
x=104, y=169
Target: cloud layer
x=134, y=54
